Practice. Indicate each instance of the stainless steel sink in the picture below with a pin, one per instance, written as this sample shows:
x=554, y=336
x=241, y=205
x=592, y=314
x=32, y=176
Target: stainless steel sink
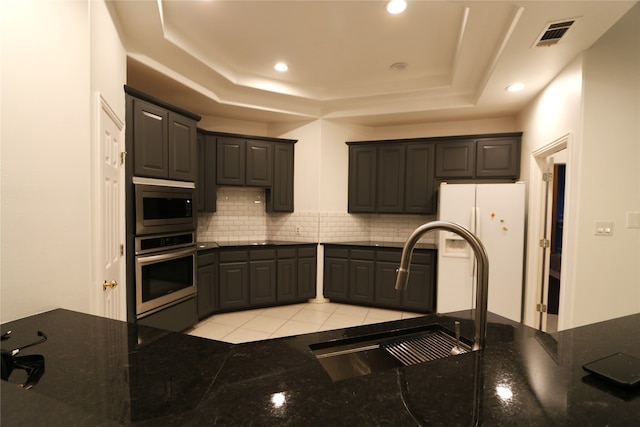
x=352, y=357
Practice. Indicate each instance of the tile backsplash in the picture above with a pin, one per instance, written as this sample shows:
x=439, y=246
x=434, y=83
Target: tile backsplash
x=241, y=216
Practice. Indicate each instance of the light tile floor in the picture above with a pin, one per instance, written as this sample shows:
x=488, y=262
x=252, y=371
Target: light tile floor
x=253, y=325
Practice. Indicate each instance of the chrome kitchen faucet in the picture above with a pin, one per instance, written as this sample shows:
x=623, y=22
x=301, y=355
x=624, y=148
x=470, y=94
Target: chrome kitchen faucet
x=482, y=282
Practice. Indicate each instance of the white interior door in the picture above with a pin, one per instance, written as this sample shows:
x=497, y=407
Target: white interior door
x=110, y=291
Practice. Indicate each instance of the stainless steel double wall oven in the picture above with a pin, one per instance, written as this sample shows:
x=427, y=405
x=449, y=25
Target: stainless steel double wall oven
x=165, y=244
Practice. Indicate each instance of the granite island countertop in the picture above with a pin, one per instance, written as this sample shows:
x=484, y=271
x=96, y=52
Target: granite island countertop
x=106, y=372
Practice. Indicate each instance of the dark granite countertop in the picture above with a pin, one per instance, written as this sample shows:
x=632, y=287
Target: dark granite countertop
x=394, y=245
x=105, y=372
x=250, y=243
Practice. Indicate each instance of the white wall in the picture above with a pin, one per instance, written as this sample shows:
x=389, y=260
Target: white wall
x=46, y=135
x=596, y=99
x=607, y=275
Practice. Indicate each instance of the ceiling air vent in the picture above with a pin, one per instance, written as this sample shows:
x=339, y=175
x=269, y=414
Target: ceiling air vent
x=553, y=32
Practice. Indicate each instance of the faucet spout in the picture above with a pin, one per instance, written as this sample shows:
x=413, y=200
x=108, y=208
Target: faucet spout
x=482, y=282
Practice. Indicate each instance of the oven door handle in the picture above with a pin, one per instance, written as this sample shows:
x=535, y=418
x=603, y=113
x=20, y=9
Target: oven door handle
x=166, y=255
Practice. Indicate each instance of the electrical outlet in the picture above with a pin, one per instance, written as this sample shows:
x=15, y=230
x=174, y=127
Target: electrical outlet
x=298, y=230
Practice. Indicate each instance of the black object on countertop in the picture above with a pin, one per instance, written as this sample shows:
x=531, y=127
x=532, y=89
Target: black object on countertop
x=33, y=364
x=619, y=368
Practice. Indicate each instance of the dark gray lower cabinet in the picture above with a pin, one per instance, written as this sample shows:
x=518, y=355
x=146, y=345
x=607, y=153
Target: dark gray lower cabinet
x=367, y=276
x=207, y=284
x=262, y=277
x=234, y=279
x=336, y=274
x=361, y=275
x=256, y=277
x=307, y=266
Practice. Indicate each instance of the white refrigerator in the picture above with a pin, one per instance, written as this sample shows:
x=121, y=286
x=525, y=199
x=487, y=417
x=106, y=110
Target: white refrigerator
x=495, y=214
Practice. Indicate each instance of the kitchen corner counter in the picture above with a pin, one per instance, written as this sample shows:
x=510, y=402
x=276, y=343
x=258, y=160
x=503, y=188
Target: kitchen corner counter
x=105, y=372
x=249, y=243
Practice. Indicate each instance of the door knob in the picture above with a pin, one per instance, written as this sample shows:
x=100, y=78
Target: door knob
x=112, y=284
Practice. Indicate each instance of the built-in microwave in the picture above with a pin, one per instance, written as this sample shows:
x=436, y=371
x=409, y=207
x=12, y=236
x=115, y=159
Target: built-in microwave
x=164, y=206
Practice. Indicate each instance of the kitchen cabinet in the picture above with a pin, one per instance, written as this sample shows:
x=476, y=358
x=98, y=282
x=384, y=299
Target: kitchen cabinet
x=370, y=276
x=391, y=177
x=362, y=178
x=336, y=273
x=498, y=157
x=233, y=273
x=280, y=196
x=296, y=273
x=164, y=143
x=306, y=271
x=401, y=176
x=206, y=183
x=239, y=279
x=479, y=158
x=244, y=162
x=262, y=277
x=419, y=188
x=207, y=284
x=456, y=159
x=239, y=160
x=287, y=281
x=231, y=161
x=259, y=171
x=361, y=275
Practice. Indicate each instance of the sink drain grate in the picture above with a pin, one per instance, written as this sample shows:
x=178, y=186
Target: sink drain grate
x=425, y=348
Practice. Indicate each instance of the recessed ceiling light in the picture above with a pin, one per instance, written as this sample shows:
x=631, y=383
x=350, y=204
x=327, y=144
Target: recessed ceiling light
x=281, y=66
x=516, y=87
x=396, y=6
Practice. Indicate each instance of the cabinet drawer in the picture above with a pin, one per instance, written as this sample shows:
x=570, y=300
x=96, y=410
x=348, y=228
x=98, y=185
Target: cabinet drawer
x=286, y=252
x=233, y=256
x=390, y=256
x=206, y=259
x=307, y=252
x=258, y=254
x=336, y=252
x=365, y=254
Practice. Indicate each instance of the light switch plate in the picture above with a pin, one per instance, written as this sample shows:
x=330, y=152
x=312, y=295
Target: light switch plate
x=604, y=228
x=633, y=219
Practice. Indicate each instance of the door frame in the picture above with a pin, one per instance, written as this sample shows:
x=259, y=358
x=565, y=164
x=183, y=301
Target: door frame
x=535, y=230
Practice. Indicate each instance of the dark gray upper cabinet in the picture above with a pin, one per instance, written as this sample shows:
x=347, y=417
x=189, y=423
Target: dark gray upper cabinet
x=280, y=196
x=244, y=162
x=498, y=157
x=231, y=161
x=259, y=170
x=479, y=157
x=206, y=183
x=455, y=159
x=362, y=178
x=257, y=162
x=419, y=188
x=164, y=143
x=391, y=177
